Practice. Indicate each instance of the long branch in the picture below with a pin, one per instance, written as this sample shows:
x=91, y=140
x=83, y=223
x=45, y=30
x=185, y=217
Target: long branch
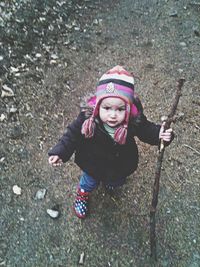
x=158, y=172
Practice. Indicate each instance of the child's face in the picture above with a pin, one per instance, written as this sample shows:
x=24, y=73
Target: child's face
x=112, y=111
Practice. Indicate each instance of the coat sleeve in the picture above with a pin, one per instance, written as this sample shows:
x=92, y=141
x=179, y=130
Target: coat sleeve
x=148, y=132
x=68, y=142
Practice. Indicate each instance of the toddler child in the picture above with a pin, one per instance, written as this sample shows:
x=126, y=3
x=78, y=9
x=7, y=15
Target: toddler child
x=103, y=141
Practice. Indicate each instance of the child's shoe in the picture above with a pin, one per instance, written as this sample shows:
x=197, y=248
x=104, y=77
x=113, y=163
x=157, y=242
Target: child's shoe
x=81, y=203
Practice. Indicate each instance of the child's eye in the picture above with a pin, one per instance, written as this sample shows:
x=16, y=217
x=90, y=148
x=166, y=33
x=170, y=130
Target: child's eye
x=106, y=108
x=121, y=109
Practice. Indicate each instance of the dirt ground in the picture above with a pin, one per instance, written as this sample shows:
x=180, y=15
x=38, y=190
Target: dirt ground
x=52, y=54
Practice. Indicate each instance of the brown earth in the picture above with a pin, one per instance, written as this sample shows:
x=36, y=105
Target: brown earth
x=52, y=53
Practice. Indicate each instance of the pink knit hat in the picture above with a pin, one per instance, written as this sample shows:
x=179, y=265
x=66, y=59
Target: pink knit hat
x=119, y=83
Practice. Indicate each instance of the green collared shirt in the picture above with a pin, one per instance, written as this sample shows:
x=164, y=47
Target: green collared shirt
x=109, y=130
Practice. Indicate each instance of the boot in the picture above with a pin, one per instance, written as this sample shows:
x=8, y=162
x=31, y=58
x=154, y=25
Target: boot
x=81, y=203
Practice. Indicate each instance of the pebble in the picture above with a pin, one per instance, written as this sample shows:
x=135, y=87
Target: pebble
x=180, y=71
x=6, y=91
x=53, y=213
x=53, y=62
x=13, y=69
x=40, y=194
x=181, y=115
x=2, y=117
x=183, y=44
x=13, y=109
x=38, y=55
x=3, y=263
x=17, y=190
x=2, y=159
x=81, y=259
x=95, y=22
x=67, y=42
x=54, y=56
x=173, y=13
x=168, y=211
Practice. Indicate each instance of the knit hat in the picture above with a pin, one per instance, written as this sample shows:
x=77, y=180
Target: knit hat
x=119, y=83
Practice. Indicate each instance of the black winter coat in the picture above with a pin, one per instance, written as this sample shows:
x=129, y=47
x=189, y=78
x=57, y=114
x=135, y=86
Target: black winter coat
x=100, y=156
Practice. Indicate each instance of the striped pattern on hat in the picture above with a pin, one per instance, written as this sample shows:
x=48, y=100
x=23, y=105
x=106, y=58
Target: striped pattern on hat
x=117, y=82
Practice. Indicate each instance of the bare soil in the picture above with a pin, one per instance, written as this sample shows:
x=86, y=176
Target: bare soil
x=51, y=55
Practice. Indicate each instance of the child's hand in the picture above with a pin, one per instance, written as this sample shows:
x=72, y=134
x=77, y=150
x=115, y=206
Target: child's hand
x=55, y=161
x=167, y=135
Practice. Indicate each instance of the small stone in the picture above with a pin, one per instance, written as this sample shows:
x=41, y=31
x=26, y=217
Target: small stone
x=2, y=159
x=168, y=211
x=1, y=58
x=40, y=194
x=181, y=115
x=13, y=109
x=53, y=62
x=81, y=259
x=28, y=57
x=14, y=70
x=54, y=56
x=38, y=55
x=67, y=42
x=183, y=44
x=180, y=71
x=42, y=19
x=74, y=48
x=95, y=22
x=53, y=213
x=6, y=91
x=173, y=13
x=2, y=117
x=3, y=263
x=17, y=190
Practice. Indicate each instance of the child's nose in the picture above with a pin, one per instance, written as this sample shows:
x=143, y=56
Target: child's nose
x=112, y=113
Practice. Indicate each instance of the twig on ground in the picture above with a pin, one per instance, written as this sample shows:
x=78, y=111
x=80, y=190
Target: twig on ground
x=176, y=186
x=194, y=4
x=196, y=151
x=197, y=126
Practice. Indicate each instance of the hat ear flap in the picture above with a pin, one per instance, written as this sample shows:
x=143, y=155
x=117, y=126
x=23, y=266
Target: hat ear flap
x=88, y=127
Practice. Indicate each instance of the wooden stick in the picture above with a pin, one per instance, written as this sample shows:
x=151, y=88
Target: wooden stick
x=156, y=185
x=196, y=151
